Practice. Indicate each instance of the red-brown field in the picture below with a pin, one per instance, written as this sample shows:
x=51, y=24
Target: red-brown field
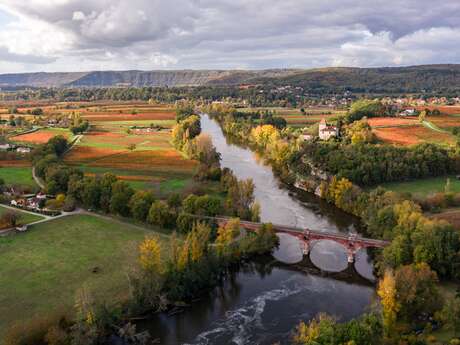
x=392, y=121
x=113, y=116
x=444, y=109
x=409, y=135
x=41, y=136
x=86, y=154
x=15, y=163
x=445, y=121
x=161, y=160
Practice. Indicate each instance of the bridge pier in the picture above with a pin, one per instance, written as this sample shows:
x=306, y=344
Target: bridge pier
x=351, y=256
x=305, y=246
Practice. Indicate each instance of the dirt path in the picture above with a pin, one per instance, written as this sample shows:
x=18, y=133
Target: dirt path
x=37, y=180
x=433, y=127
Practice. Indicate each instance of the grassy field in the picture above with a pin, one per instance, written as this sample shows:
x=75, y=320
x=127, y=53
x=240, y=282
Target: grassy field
x=42, y=269
x=26, y=218
x=17, y=175
x=424, y=187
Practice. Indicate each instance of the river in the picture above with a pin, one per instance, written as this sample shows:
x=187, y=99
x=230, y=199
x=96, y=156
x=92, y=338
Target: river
x=262, y=302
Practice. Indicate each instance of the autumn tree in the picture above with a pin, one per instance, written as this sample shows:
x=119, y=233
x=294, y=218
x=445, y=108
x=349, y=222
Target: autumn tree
x=417, y=292
x=150, y=255
x=390, y=306
x=359, y=132
x=226, y=235
x=264, y=135
x=159, y=214
x=240, y=198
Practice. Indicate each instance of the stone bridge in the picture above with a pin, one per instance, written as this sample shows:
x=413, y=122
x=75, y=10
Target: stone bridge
x=351, y=242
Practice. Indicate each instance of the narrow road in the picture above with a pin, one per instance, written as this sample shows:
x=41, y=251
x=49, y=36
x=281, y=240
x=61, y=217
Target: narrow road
x=433, y=127
x=37, y=179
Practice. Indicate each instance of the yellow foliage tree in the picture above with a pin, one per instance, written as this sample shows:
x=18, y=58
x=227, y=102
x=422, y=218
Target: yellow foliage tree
x=226, y=235
x=387, y=293
x=264, y=135
x=150, y=255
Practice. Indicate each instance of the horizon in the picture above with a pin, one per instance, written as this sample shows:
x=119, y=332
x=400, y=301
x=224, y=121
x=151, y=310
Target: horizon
x=235, y=69
x=82, y=35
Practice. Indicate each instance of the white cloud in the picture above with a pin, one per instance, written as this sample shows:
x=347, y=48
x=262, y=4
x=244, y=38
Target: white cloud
x=151, y=34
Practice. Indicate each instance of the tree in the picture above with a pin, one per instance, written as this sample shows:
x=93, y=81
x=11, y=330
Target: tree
x=150, y=255
x=264, y=135
x=159, y=214
x=387, y=293
x=450, y=315
x=359, y=132
x=365, y=108
x=37, y=111
x=140, y=203
x=9, y=219
x=318, y=331
x=240, y=198
x=121, y=194
x=184, y=109
x=417, y=292
x=226, y=235
x=91, y=193
x=422, y=116
x=131, y=147
x=106, y=183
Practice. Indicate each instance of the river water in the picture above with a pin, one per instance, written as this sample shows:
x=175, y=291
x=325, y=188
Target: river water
x=262, y=302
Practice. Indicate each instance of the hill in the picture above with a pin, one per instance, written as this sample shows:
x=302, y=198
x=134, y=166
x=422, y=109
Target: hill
x=373, y=80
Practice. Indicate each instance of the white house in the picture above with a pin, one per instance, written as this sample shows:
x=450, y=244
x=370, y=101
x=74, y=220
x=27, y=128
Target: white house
x=408, y=112
x=23, y=150
x=326, y=132
x=5, y=147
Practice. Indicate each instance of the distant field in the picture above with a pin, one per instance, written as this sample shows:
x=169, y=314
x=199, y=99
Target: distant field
x=445, y=109
x=424, y=187
x=294, y=116
x=392, y=121
x=153, y=163
x=411, y=134
x=25, y=218
x=42, y=269
x=17, y=175
x=42, y=136
x=445, y=121
x=451, y=216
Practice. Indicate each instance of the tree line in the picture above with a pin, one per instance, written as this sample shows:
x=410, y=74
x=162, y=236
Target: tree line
x=366, y=164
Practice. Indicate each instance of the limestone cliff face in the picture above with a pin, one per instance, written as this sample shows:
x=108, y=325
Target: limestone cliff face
x=138, y=78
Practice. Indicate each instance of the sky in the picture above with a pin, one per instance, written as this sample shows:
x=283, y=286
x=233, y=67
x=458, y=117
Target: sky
x=85, y=35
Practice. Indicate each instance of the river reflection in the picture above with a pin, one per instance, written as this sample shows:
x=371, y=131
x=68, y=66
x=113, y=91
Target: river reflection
x=287, y=206
x=263, y=301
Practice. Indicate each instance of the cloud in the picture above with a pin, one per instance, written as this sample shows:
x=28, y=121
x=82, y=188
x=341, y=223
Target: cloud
x=153, y=34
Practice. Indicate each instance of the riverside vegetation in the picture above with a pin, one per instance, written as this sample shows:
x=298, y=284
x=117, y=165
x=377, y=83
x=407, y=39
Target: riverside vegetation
x=422, y=250
x=196, y=259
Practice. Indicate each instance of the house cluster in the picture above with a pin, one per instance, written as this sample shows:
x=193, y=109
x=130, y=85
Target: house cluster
x=16, y=148
x=33, y=202
x=145, y=130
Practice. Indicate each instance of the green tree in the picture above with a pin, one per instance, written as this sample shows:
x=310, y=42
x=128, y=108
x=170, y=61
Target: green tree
x=365, y=108
x=159, y=214
x=140, y=203
x=119, y=202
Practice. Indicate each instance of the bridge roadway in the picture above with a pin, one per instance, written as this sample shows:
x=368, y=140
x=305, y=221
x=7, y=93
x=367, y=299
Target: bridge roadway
x=352, y=242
